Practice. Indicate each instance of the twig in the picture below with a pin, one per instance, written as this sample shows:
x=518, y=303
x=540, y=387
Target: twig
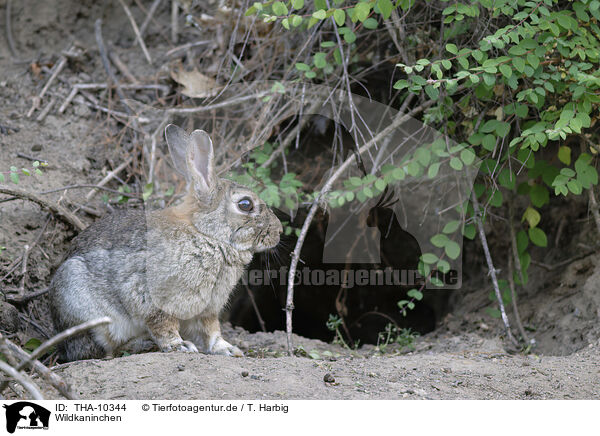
x=11, y=42
x=136, y=30
x=149, y=16
x=260, y=319
x=511, y=284
x=567, y=261
x=174, y=21
x=26, y=298
x=490, y=263
x=114, y=191
x=291, y=135
x=594, y=207
x=46, y=110
x=23, y=380
x=116, y=60
x=108, y=178
x=31, y=158
x=62, y=336
x=55, y=381
x=517, y=264
x=57, y=209
x=24, y=270
x=37, y=100
x=289, y=307
x=106, y=65
x=187, y=46
x=230, y=102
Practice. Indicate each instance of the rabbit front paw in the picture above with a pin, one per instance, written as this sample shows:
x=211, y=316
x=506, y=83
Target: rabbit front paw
x=186, y=346
x=221, y=346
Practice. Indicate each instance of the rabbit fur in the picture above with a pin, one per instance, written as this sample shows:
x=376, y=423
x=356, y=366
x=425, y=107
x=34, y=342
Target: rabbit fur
x=163, y=274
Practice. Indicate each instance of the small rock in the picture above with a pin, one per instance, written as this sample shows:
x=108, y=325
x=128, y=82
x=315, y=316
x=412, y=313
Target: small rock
x=244, y=373
x=9, y=317
x=328, y=378
x=36, y=147
x=180, y=367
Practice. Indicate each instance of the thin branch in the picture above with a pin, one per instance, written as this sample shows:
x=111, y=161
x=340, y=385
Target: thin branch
x=490, y=263
x=255, y=306
x=57, y=209
x=23, y=380
x=136, y=30
x=594, y=207
x=54, y=380
x=62, y=336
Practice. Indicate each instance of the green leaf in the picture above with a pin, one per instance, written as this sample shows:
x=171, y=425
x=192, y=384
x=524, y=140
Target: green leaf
x=297, y=4
x=385, y=7
x=539, y=196
x=469, y=231
x=456, y=164
x=467, y=156
x=532, y=216
x=507, y=179
x=147, y=192
x=349, y=37
x=401, y=84
x=538, y=237
x=519, y=64
x=505, y=70
x=451, y=48
x=279, y=8
x=362, y=10
x=432, y=92
x=32, y=344
x=443, y=266
x=522, y=241
x=451, y=227
x=564, y=155
x=496, y=198
x=429, y=258
x=380, y=184
x=439, y=241
x=320, y=14
x=416, y=294
x=433, y=170
x=302, y=66
x=339, y=15
x=533, y=60
x=423, y=155
x=452, y=250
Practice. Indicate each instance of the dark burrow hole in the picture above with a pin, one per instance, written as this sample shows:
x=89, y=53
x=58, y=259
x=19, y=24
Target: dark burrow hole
x=366, y=309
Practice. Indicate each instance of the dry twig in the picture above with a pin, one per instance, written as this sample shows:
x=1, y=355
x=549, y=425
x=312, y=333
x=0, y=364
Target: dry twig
x=57, y=209
x=136, y=30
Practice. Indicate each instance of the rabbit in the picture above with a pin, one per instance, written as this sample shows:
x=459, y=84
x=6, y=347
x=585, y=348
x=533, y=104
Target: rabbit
x=163, y=274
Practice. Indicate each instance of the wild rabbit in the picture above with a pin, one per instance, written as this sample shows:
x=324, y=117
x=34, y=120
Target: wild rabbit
x=168, y=273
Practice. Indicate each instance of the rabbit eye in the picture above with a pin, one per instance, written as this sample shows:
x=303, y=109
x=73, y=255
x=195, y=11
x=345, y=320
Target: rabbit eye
x=245, y=205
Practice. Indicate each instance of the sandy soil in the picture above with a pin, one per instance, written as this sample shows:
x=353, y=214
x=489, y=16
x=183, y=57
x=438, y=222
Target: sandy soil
x=458, y=367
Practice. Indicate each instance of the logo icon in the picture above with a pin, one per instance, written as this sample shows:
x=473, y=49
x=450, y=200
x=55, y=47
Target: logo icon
x=26, y=415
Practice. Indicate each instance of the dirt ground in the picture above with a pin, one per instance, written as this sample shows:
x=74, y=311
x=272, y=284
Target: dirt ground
x=464, y=358
x=452, y=367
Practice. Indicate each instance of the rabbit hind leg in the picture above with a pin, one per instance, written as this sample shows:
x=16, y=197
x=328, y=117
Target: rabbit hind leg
x=206, y=329
x=164, y=331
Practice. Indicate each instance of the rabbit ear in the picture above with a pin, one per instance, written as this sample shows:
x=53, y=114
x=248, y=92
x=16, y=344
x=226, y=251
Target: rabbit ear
x=200, y=162
x=178, y=142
